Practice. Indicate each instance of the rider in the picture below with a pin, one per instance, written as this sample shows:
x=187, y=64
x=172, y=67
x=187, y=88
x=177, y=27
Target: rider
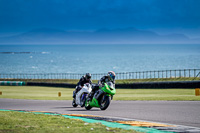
x=110, y=77
x=82, y=81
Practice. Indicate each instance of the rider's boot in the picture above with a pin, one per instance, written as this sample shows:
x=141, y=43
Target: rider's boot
x=76, y=91
x=74, y=94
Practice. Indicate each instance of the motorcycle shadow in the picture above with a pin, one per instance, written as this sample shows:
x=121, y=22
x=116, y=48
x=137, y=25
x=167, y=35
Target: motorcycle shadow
x=62, y=107
x=83, y=109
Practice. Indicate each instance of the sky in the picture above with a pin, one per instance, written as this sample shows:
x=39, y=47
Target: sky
x=161, y=16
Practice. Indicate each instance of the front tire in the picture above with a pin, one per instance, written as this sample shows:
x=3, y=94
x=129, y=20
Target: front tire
x=74, y=103
x=105, y=102
x=87, y=105
x=82, y=104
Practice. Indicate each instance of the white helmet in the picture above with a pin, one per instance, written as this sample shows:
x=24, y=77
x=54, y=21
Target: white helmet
x=111, y=74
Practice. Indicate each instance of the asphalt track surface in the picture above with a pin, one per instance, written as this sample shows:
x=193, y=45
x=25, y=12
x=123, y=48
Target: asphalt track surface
x=185, y=113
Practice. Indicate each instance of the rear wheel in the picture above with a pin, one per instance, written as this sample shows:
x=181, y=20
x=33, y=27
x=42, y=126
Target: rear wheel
x=105, y=102
x=74, y=103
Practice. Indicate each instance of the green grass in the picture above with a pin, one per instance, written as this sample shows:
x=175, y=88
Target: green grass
x=35, y=92
x=157, y=94
x=51, y=93
x=17, y=122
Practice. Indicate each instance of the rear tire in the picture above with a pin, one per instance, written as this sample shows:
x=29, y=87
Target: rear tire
x=74, y=103
x=105, y=102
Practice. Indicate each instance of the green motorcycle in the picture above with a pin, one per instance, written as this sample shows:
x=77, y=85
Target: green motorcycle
x=102, y=97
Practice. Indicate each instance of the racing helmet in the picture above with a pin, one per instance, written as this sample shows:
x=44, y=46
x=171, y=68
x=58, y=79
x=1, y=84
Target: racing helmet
x=88, y=76
x=111, y=75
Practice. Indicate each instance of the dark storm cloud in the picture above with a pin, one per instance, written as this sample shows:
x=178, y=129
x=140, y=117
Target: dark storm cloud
x=23, y=15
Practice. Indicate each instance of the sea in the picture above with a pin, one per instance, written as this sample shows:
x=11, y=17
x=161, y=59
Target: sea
x=97, y=58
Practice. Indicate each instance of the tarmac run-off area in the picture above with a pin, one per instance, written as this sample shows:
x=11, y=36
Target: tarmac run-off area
x=176, y=116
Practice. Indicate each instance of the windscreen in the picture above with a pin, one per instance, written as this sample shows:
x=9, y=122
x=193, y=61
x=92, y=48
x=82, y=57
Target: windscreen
x=111, y=85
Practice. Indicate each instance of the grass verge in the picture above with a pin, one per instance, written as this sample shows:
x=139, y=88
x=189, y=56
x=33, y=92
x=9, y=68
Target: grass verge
x=51, y=93
x=17, y=122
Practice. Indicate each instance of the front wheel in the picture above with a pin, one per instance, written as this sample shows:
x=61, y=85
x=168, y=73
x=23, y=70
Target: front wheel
x=74, y=103
x=83, y=99
x=87, y=105
x=105, y=102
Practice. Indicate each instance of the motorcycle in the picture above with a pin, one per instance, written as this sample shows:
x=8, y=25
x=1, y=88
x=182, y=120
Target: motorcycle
x=80, y=97
x=102, y=97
